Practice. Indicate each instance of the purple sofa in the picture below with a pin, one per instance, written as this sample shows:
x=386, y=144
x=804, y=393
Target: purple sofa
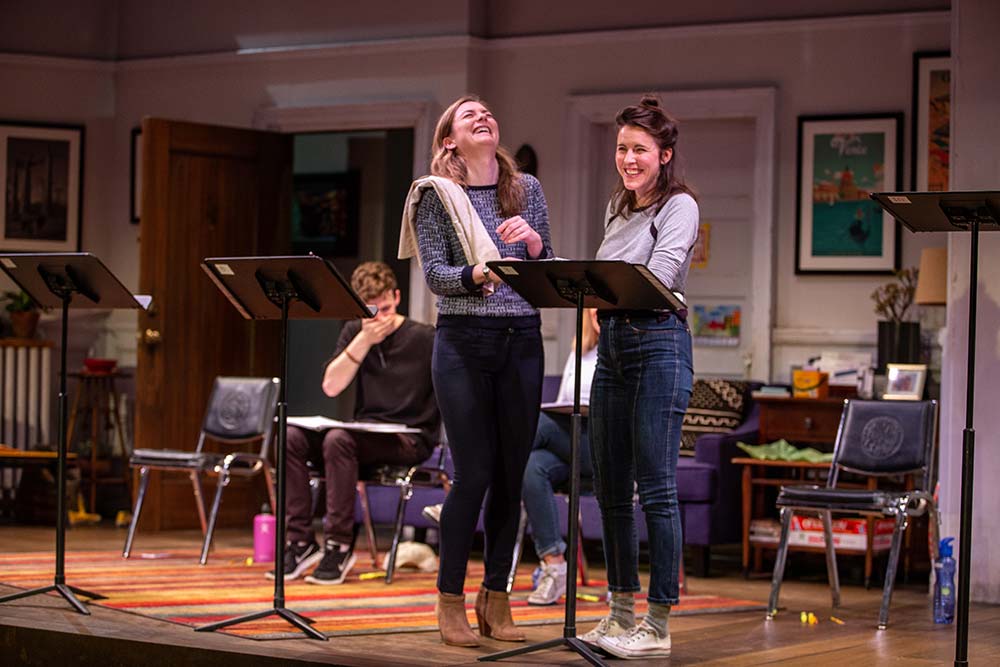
x=708, y=488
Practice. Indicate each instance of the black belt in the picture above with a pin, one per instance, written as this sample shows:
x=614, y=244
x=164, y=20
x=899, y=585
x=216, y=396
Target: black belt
x=658, y=315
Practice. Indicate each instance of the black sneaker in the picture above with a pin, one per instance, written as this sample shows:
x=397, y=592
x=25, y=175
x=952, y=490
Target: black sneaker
x=299, y=557
x=335, y=565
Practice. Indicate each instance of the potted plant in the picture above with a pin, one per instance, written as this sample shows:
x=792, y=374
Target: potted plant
x=898, y=338
x=23, y=314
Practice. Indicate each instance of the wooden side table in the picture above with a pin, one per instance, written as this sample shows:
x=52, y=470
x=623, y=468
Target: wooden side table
x=759, y=474
x=19, y=458
x=812, y=421
x=96, y=393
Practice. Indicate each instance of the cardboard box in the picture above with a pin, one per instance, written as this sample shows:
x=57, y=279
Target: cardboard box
x=848, y=534
x=810, y=384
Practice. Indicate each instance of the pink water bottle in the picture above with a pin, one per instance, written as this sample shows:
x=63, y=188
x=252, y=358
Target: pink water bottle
x=263, y=536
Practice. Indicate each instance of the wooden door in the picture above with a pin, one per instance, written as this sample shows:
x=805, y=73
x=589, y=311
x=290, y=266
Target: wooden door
x=207, y=191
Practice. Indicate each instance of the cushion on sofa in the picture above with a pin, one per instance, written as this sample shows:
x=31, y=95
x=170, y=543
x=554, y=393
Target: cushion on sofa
x=716, y=406
x=696, y=481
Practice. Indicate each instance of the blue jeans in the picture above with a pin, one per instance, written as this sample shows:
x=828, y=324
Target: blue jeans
x=640, y=393
x=487, y=374
x=548, y=468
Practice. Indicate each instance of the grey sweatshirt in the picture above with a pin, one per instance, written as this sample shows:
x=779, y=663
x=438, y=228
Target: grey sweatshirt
x=667, y=252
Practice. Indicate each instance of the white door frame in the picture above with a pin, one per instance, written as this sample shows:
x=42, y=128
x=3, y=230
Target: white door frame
x=418, y=115
x=586, y=112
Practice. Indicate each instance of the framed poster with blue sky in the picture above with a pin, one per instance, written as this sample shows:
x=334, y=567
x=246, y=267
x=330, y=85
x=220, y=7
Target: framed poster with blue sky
x=841, y=160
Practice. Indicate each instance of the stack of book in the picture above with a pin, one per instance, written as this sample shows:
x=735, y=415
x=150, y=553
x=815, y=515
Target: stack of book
x=771, y=391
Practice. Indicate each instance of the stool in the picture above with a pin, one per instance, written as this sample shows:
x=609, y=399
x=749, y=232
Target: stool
x=97, y=394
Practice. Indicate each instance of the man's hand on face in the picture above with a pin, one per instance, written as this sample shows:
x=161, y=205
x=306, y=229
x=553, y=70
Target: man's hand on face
x=375, y=329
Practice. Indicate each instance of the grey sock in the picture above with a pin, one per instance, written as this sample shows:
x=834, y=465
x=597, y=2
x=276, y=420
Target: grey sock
x=657, y=618
x=623, y=609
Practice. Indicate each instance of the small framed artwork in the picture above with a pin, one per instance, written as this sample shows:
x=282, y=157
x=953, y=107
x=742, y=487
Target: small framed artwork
x=905, y=382
x=325, y=210
x=41, y=167
x=716, y=326
x=931, y=121
x=135, y=176
x=841, y=161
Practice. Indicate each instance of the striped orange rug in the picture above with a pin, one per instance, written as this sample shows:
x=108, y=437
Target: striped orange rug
x=171, y=586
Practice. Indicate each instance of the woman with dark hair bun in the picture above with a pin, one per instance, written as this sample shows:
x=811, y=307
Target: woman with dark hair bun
x=643, y=382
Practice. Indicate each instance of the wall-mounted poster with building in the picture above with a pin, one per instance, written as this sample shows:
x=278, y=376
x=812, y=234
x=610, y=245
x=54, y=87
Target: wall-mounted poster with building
x=842, y=160
x=716, y=326
x=325, y=214
x=41, y=168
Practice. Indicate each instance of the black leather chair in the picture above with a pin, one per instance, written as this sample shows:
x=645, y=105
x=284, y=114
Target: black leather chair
x=240, y=412
x=879, y=438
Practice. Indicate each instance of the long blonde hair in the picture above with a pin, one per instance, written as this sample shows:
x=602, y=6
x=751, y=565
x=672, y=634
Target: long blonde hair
x=591, y=330
x=449, y=164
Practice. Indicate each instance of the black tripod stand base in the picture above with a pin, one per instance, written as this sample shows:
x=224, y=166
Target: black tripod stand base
x=64, y=590
x=578, y=645
x=301, y=622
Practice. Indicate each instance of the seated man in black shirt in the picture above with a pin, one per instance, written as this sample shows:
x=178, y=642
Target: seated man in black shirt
x=390, y=355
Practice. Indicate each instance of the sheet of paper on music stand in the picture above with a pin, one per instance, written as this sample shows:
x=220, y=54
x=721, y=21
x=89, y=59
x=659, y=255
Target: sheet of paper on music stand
x=321, y=423
x=843, y=367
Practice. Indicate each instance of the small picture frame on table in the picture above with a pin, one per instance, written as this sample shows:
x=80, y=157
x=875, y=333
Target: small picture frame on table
x=905, y=382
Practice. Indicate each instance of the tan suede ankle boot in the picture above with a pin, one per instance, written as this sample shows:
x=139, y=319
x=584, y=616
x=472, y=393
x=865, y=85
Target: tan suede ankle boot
x=453, y=622
x=493, y=616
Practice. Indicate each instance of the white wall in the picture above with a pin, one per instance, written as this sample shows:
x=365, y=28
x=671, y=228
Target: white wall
x=846, y=65
x=975, y=166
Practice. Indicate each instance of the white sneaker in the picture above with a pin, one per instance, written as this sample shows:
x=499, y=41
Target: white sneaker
x=432, y=512
x=608, y=627
x=639, y=642
x=551, y=585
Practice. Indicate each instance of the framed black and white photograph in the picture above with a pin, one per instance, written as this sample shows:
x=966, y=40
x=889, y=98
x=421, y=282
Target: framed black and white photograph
x=931, y=121
x=135, y=176
x=905, y=382
x=841, y=161
x=41, y=167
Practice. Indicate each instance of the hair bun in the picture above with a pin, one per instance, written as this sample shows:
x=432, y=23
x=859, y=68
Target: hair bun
x=650, y=101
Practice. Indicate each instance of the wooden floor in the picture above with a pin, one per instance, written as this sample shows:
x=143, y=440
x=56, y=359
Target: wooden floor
x=44, y=630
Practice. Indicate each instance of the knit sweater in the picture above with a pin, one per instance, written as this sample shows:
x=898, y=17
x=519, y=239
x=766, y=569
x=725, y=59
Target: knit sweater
x=665, y=251
x=444, y=263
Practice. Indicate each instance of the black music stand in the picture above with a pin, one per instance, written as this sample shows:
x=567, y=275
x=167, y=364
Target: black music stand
x=955, y=212
x=268, y=288
x=51, y=280
x=579, y=284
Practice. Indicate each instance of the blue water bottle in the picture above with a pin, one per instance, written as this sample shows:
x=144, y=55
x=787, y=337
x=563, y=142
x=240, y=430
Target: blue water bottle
x=944, y=583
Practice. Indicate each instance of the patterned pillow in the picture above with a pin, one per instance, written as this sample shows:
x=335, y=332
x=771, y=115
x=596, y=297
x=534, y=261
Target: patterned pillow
x=716, y=406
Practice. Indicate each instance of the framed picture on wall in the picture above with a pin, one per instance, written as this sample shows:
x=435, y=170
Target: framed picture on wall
x=931, y=121
x=325, y=213
x=135, y=176
x=41, y=167
x=841, y=160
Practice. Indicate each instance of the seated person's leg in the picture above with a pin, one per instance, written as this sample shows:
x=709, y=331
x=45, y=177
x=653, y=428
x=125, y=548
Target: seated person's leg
x=545, y=471
x=344, y=452
x=301, y=550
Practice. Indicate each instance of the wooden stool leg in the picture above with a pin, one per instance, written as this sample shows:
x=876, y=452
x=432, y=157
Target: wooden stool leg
x=117, y=421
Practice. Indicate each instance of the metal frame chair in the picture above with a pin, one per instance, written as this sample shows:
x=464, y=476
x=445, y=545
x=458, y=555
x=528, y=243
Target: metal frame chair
x=240, y=411
x=875, y=438
x=434, y=472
